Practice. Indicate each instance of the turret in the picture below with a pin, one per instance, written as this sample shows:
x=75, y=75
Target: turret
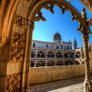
x=57, y=38
x=75, y=44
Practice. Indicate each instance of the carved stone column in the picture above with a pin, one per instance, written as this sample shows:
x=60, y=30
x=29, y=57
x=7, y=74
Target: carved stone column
x=26, y=65
x=87, y=84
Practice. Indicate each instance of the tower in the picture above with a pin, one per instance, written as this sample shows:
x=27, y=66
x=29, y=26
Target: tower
x=75, y=44
x=57, y=38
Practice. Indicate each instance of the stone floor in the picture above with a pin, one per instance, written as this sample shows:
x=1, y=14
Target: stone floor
x=71, y=85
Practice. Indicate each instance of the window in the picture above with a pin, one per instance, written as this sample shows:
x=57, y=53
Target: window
x=47, y=46
x=67, y=47
x=61, y=46
x=58, y=55
x=70, y=47
x=40, y=54
x=65, y=55
x=32, y=54
x=78, y=55
x=50, y=55
x=57, y=47
x=33, y=44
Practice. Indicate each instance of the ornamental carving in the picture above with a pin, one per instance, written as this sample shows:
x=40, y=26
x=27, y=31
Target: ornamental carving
x=21, y=21
x=12, y=83
x=17, y=47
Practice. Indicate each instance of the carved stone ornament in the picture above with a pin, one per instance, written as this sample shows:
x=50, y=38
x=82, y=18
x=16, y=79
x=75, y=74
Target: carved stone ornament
x=17, y=47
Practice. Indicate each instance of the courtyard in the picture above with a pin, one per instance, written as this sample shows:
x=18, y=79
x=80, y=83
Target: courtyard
x=70, y=85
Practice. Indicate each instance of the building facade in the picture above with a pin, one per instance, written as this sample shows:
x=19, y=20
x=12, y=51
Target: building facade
x=54, y=53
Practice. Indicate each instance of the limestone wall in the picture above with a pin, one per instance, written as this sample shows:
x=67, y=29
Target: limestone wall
x=46, y=74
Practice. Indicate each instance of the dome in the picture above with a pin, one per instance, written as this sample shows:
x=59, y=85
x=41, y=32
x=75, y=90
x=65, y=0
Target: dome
x=57, y=37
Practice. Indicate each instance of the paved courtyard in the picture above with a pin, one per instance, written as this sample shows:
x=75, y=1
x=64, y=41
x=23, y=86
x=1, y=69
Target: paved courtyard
x=71, y=85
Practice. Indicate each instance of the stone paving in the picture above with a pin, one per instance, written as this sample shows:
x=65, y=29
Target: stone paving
x=71, y=85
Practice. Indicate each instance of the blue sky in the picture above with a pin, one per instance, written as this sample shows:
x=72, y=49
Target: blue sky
x=61, y=23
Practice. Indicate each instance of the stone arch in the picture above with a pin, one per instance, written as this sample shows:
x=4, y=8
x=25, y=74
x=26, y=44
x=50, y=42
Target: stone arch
x=40, y=54
x=40, y=63
x=77, y=54
x=32, y=63
x=50, y=55
x=62, y=4
x=32, y=54
x=51, y=63
x=66, y=55
x=59, y=63
x=58, y=55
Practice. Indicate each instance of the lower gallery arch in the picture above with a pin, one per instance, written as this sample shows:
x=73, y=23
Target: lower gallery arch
x=40, y=63
x=32, y=63
x=60, y=62
x=50, y=63
x=68, y=63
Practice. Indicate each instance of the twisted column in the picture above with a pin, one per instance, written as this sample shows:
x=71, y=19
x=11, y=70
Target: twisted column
x=87, y=83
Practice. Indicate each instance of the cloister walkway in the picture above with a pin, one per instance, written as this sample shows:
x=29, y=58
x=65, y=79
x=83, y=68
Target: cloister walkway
x=70, y=85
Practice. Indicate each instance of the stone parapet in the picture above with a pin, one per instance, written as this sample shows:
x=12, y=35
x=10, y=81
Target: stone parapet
x=48, y=74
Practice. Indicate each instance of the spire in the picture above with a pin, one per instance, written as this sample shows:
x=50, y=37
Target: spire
x=75, y=43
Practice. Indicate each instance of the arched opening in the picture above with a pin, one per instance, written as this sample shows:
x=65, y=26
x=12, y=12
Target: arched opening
x=42, y=18
x=51, y=63
x=50, y=55
x=65, y=55
x=40, y=54
x=59, y=63
x=68, y=63
x=40, y=64
x=78, y=55
x=58, y=55
x=32, y=54
x=32, y=63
